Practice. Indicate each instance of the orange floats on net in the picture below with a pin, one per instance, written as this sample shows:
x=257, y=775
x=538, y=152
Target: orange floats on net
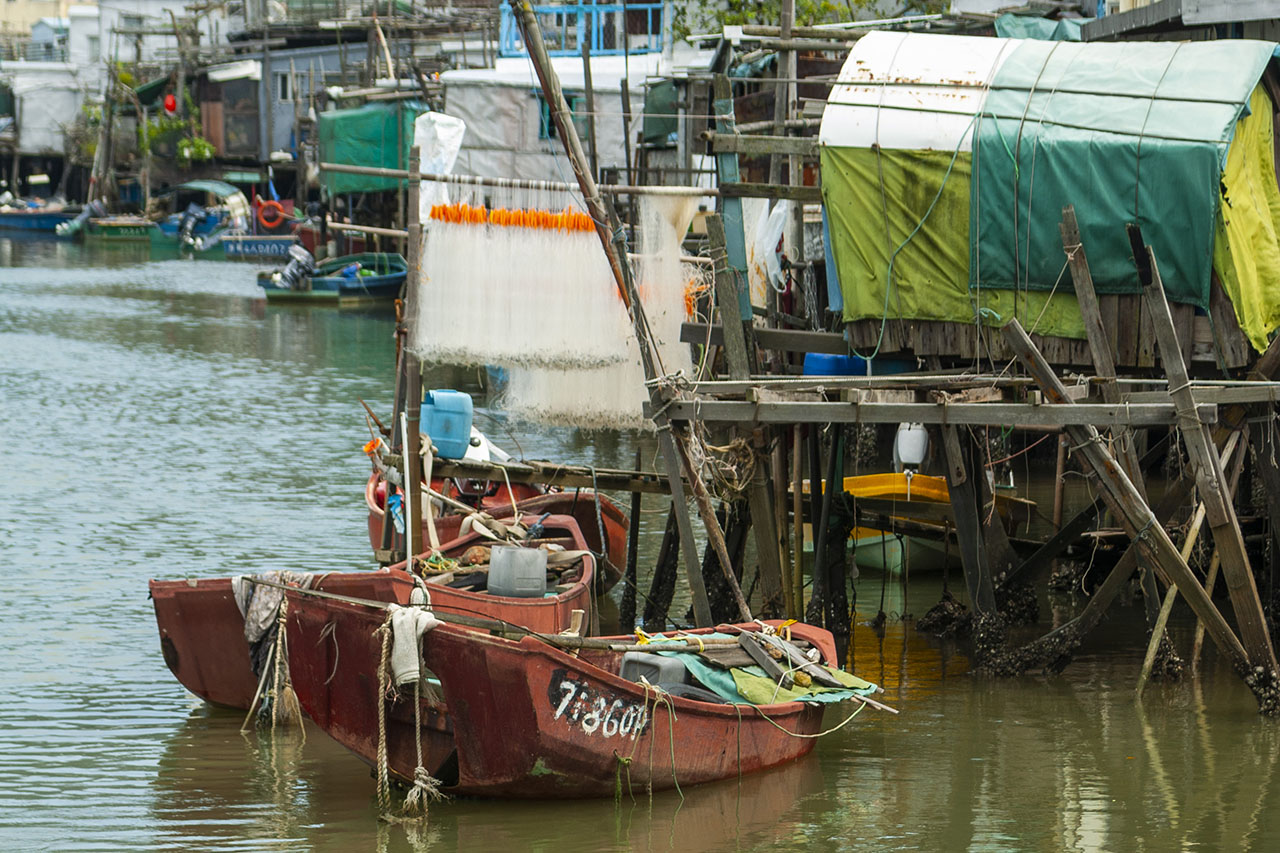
x=547, y=220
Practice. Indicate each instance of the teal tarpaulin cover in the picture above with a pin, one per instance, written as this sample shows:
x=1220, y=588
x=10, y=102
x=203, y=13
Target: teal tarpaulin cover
x=1126, y=132
x=1011, y=26
x=376, y=134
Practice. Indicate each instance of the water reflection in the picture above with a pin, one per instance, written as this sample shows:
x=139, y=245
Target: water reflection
x=160, y=419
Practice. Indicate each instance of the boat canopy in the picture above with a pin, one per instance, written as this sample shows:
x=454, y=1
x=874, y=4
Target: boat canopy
x=235, y=202
x=947, y=161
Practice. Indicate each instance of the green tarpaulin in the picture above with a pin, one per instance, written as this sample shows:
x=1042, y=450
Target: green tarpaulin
x=1133, y=132
x=378, y=134
x=1011, y=26
x=929, y=248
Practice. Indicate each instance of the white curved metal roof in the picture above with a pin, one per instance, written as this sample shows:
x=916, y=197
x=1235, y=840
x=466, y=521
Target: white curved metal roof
x=911, y=91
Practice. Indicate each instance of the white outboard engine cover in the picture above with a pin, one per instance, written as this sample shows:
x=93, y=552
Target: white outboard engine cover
x=910, y=446
x=300, y=267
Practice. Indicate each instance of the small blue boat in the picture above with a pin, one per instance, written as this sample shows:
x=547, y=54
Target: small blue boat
x=348, y=280
x=35, y=219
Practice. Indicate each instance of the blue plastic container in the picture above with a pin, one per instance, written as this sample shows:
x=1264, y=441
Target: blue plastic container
x=824, y=364
x=446, y=418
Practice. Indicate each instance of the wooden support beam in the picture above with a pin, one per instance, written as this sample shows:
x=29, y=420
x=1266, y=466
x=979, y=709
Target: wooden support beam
x=733, y=143
x=743, y=189
x=1105, y=367
x=1210, y=480
x=1188, y=544
x=548, y=474
x=791, y=340
x=739, y=343
x=684, y=527
x=1099, y=414
x=1123, y=500
x=740, y=354
x=1039, y=562
x=964, y=503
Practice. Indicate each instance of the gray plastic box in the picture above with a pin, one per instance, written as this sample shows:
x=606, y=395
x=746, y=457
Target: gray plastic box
x=657, y=669
x=517, y=572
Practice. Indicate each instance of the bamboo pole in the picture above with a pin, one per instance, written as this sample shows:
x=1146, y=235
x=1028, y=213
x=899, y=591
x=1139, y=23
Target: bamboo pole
x=675, y=440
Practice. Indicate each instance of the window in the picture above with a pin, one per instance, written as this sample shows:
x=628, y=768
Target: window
x=285, y=91
x=94, y=54
x=577, y=108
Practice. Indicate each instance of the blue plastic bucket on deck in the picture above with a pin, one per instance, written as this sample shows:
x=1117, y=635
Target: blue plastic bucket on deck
x=446, y=418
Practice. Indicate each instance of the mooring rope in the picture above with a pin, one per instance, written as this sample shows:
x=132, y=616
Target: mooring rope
x=383, y=681
x=831, y=730
x=425, y=787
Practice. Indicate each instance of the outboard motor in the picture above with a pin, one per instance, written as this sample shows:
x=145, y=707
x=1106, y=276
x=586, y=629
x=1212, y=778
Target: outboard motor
x=92, y=210
x=191, y=217
x=300, y=267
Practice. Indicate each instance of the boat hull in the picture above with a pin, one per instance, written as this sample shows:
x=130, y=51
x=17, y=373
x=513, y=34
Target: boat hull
x=328, y=287
x=532, y=721
x=21, y=220
x=252, y=248
x=508, y=721
x=202, y=630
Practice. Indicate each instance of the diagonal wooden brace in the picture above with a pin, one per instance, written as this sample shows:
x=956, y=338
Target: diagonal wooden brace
x=1126, y=503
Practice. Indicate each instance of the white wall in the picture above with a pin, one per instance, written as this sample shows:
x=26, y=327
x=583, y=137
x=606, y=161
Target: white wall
x=502, y=138
x=49, y=95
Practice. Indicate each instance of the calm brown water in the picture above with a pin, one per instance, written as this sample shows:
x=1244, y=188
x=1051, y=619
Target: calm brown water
x=158, y=420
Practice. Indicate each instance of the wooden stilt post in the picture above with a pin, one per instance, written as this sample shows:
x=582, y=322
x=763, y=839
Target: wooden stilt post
x=1210, y=479
x=1265, y=439
x=964, y=503
x=1123, y=500
x=627, y=608
x=759, y=492
x=688, y=547
x=1105, y=368
x=1193, y=533
x=1059, y=482
x=797, y=522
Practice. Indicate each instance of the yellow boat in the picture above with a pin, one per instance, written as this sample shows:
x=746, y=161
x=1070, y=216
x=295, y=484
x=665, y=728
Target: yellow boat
x=920, y=499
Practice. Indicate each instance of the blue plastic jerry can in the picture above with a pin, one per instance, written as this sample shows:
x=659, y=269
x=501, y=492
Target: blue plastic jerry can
x=446, y=418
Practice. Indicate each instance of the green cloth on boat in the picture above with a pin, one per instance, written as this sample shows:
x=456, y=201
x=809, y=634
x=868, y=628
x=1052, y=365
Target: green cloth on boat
x=1246, y=249
x=930, y=278
x=758, y=688
x=751, y=686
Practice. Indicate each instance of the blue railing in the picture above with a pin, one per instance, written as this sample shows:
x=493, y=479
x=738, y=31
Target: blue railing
x=566, y=27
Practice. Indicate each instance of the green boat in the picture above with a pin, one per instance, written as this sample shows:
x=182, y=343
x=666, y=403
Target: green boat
x=348, y=280
x=118, y=229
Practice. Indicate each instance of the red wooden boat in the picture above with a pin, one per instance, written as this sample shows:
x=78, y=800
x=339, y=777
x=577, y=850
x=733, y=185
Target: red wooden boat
x=531, y=503
x=521, y=718
x=202, y=629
